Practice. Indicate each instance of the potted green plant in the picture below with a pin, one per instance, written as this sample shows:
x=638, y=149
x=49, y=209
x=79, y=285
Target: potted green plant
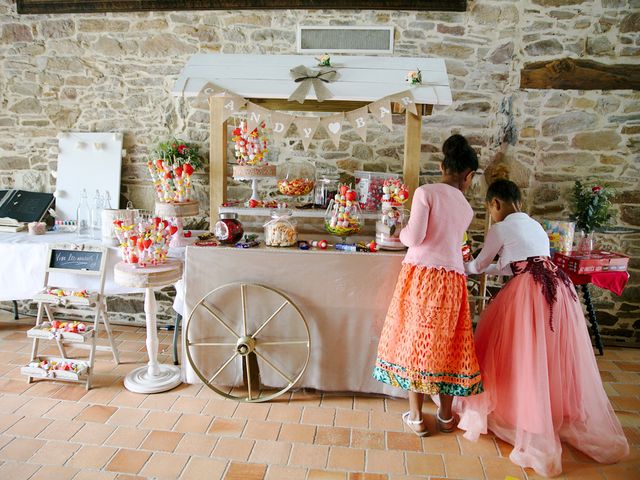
x=591, y=206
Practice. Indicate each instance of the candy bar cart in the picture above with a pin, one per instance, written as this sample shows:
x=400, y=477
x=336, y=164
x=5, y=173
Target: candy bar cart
x=339, y=298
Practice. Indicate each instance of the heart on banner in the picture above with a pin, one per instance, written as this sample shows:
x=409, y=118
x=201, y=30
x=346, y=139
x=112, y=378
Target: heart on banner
x=358, y=118
x=333, y=125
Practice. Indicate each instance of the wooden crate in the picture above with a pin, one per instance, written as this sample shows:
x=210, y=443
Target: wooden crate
x=596, y=261
x=78, y=376
x=43, y=331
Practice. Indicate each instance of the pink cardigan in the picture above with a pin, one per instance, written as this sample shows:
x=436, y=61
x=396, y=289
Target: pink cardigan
x=440, y=215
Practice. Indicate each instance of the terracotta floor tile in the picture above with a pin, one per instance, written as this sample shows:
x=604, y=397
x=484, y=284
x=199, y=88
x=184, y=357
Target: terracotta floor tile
x=128, y=461
x=386, y=421
x=101, y=396
x=162, y=441
x=58, y=472
x=61, y=430
x=70, y=392
x=259, y=430
x=194, y=444
x=188, y=405
x=496, y=468
x=624, y=366
x=92, y=457
x=270, y=452
x=318, y=416
x=403, y=441
x=17, y=470
x=368, y=403
x=37, y=407
x=159, y=420
x=56, y=453
x=129, y=417
x=345, y=458
x=126, y=437
x=158, y=401
x=233, y=448
x=382, y=461
x=21, y=449
x=337, y=436
x=200, y=468
x=627, y=389
x=96, y=413
x=459, y=466
x=441, y=443
x=93, y=433
x=367, y=476
x=220, y=408
x=424, y=464
x=164, y=466
x=278, y=472
x=228, y=427
x=94, y=475
x=192, y=423
x=324, y=475
x=305, y=398
x=10, y=403
x=330, y=400
x=43, y=388
x=65, y=410
x=484, y=446
x=13, y=386
x=628, y=403
x=367, y=439
x=313, y=456
x=285, y=413
x=28, y=427
x=253, y=411
x=291, y=432
x=352, y=418
x=127, y=399
x=245, y=471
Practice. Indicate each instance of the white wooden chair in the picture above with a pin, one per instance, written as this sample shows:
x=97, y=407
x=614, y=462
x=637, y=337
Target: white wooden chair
x=84, y=261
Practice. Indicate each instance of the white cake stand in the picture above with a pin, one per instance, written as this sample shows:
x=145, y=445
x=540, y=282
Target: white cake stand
x=155, y=377
x=177, y=210
x=254, y=184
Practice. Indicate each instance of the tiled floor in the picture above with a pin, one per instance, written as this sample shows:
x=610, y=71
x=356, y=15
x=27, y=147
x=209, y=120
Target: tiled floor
x=58, y=431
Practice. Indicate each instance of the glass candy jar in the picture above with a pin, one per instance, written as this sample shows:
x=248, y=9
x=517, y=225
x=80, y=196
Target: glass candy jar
x=343, y=217
x=228, y=229
x=296, y=178
x=326, y=190
x=388, y=227
x=281, y=230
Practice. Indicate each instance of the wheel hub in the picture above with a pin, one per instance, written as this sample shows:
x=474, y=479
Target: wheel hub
x=245, y=345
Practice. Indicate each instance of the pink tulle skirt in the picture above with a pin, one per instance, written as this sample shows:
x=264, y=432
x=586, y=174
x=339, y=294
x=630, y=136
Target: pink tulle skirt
x=542, y=386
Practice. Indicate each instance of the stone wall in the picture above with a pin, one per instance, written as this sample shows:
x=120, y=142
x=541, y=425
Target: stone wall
x=114, y=72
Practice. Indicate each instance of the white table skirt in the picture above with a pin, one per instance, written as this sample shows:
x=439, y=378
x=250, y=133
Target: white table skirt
x=344, y=297
x=22, y=267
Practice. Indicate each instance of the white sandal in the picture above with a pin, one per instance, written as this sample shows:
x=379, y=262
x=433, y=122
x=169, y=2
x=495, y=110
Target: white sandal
x=445, y=426
x=408, y=422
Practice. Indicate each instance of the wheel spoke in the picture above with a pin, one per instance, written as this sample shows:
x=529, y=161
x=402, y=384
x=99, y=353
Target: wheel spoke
x=243, y=294
x=280, y=372
x=224, y=324
x=286, y=342
x=223, y=366
x=210, y=344
x=247, y=362
x=273, y=315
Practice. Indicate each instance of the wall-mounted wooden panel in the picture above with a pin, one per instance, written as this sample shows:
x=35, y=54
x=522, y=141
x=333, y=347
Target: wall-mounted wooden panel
x=576, y=74
x=76, y=6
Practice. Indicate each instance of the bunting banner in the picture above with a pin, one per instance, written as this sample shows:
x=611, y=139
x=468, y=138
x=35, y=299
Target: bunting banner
x=232, y=103
x=406, y=100
x=256, y=115
x=358, y=119
x=307, y=127
x=280, y=123
x=381, y=111
x=333, y=125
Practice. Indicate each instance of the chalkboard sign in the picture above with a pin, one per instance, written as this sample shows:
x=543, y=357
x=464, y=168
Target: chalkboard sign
x=25, y=206
x=75, y=260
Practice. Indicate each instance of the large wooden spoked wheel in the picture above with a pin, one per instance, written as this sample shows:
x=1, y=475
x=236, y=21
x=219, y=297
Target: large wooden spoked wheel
x=247, y=342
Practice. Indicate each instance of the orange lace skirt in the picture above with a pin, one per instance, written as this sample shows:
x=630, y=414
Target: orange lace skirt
x=426, y=343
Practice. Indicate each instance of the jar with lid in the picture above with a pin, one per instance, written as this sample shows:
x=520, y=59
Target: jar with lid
x=296, y=178
x=388, y=227
x=281, y=230
x=326, y=189
x=228, y=229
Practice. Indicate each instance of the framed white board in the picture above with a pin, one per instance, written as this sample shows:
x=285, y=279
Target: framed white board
x=87, y=160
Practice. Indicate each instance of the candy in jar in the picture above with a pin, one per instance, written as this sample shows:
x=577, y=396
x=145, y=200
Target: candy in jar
x=388, y=228
x=281, y=230
x=228, y=229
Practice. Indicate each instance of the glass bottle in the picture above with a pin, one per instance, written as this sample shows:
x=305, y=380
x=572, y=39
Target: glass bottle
x=107, y=200
x=96, y=215
x=228, y=229
x=83, y=217
x=326, y=190
x=281, y=230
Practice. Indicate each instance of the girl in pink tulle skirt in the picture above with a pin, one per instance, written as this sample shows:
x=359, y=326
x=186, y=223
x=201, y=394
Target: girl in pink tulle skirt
x=542, y=384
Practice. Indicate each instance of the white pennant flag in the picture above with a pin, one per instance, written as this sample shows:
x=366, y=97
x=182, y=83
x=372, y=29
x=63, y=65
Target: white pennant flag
x=406, y=100
x=232, y=104
x=358, y=118
x=307, y=127
x=381, y=111
x=256, y=115
x=280, y=123
x=333, y=125
x=209, y=89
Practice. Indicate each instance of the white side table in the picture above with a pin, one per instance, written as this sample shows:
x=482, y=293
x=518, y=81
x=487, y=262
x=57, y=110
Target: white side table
x=155, y=377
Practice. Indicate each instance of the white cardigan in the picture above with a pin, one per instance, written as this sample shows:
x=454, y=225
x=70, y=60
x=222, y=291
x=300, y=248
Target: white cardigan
x=516, y=238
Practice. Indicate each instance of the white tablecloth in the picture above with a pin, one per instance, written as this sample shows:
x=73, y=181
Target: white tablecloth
x=344, y=297
x=22, y=267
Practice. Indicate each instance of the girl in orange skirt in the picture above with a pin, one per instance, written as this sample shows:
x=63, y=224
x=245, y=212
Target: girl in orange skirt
x=426, y=345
